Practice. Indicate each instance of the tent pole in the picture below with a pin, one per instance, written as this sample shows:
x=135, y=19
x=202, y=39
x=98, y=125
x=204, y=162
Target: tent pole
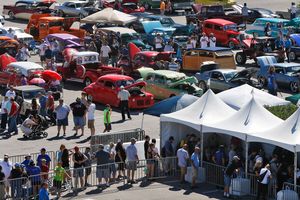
x=246, y=160
x=142, y=124
x=202, y=145
x=295, y=169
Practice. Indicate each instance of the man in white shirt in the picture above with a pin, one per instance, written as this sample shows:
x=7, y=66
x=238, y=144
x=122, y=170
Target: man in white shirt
x=212, y=40
x=4, y=112
x=204, y=40
x=6, y=169
x=11, y=93
x=293, y=10
x=104, y=53
x=158, y=43
x=182, y=156
x=265, y=175
x=124, y=95
x=91, y=116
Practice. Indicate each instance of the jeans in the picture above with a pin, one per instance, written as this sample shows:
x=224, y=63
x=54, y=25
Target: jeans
x=12, y=125
x=3, y=120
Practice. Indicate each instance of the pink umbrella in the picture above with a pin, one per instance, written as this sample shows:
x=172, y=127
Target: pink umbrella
x=37, y=81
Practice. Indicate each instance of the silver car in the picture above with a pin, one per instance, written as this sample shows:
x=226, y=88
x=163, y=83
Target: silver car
x=79, y=9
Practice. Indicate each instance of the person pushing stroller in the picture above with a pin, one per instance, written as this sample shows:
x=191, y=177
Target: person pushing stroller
x=28, y=124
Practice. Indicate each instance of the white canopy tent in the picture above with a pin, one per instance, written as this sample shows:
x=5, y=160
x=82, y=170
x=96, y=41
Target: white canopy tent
x=237, y=97
x=109, y=15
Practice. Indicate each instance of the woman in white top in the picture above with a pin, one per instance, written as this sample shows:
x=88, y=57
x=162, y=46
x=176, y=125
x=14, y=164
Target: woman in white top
x=26, y=127
x=212, y=40
x=204, y=40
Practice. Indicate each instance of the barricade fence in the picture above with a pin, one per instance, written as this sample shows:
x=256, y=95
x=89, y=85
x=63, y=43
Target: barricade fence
x=27, y=187
x=289, y=192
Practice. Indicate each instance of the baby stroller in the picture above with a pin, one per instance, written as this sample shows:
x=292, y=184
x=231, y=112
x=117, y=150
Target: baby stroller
x=39, y=129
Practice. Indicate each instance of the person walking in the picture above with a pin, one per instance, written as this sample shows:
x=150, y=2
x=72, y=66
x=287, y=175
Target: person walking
x=91, y=116
x=195, y=166
x=124, y=95
x=79, y=111
x=272, y=84
x=183, y=157
x=132, y=161
x=231, y=168
x=12, y=117
x=103, y=159
x=62, y=113
x=78, y=159
x=42, y=49
x=263, y=181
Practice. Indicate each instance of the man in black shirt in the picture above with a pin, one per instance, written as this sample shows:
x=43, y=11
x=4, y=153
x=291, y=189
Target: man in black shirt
x=79, y=111
x=78, y=160
x=232, y=167
x=146, y=145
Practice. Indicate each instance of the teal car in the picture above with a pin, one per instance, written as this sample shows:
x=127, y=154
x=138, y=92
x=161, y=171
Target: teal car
x=165, y=83
x=259, y=25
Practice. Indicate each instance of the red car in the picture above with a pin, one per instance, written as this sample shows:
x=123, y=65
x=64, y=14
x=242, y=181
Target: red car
x=138, y=59
x=23, y=9
x=105, y=90
x=127, y=6
x=226, y=32
x=84, y=67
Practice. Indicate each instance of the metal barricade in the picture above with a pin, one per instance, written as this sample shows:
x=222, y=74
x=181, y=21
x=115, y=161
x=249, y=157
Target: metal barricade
x=214, y=174
x=125, y=136
x=289, y=192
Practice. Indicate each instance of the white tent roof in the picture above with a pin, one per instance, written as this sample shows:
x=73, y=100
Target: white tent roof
x=285, y=134
x=108, y=15
x=207, y=109
x=250, y=119
x=237, y=97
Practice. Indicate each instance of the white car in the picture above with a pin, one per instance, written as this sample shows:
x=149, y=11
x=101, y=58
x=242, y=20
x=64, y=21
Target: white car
x=17, y=32
x=25, y=68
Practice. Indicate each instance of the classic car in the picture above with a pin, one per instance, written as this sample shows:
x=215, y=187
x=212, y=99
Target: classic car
x=225, y=31
x=203, y=12
x=287, y=75
x=65, y=40
x=79, y=9
x=84, y=67
x=175, y=4
x=105, y=90
x=223, y=79
x=295, y=49
x=127, y=6
x=28, y=69
x=17, y=32
x=8, y=45
x=260, y=46
x=165, y=83
x=23, y=9
x=138, y=58
x=193, y=59
x=259, y=25
x=41, y=25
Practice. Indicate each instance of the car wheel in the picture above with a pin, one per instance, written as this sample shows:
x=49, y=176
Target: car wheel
x=231, y=45
x=147, y=6
x=292, y=56
x=240, y=58
x=294, y=87
x=262, y=81
x=11, y=15
x=202, y=85
x=60, y=13
x=45, y=134
x=87, y=81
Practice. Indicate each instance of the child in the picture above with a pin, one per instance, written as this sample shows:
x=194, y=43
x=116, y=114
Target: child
x=107, y=120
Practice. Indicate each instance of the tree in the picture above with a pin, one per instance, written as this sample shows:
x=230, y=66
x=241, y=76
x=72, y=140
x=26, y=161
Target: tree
x=282, y=112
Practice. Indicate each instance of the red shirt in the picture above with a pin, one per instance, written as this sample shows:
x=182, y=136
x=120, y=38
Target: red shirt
x=45, y=170
x=14, y=109
x=50, y=102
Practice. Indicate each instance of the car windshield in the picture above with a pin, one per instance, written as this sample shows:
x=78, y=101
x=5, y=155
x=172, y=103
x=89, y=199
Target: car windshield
x=293, y=69
x=31, y=94
x=230, y=27
x=265, y=11
x=229, y=75
x=167, y=21
x=124, y=83
x=15, y=31
x=55, y=23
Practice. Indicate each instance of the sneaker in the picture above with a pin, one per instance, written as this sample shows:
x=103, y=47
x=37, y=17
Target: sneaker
x=64, y=134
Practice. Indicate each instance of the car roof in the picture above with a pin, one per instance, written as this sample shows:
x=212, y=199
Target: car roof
x=12, y=27
x=168, y=73
x=149, y=53
x=165, y=29
x=52, y=18
x=36, y=1
x=26, y=65
x=63, y=36
x=213, y=49
x=85, y=53
x=273, y=20
x=219, y=21
x=286, y=65
x=115, y=77
x=122, y=30
x=28, y=88
x=223, y=71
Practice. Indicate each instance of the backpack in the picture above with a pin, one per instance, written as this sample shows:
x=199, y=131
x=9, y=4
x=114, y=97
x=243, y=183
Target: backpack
x=261, y=177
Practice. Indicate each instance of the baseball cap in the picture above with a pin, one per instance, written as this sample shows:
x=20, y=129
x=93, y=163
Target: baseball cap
x=28, y=155
x=6, y=156
x=122, y=87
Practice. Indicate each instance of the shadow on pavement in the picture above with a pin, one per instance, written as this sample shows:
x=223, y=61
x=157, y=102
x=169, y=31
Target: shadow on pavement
x=95, y=191
x=55, y=138
x=72, y=137
x=125, y=187
x=84, y=140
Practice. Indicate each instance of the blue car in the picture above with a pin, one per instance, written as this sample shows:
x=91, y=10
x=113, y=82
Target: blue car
x=154, y=28
x=295, y=49
x=259, y=25
x=287, y=74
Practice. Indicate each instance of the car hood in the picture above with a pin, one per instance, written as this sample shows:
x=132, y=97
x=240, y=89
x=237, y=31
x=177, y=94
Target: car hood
x=150, y=25
x=242, y=74
x=189, y=80
x=133, y=49
x=139, y=84
x=144, y=71
x=23, y=35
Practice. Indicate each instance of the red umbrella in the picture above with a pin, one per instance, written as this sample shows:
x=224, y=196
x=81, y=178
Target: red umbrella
x=51, y=75
x=37, y=81
x=6, y=59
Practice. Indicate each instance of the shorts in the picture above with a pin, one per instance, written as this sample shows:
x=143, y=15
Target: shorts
x=105, y=60
x=112, y=168
x=42, y=58
x=107, y=126
x=62, y=122
x=88, y=171
x=195, y=172
x=227, y=180
x=183, y=170
x=150, y=162
x=102, y=172
x=78, y=172
x=91, y=123
x=121, y=166
x=57, y=184
x=79, y=121
x=131, y=165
